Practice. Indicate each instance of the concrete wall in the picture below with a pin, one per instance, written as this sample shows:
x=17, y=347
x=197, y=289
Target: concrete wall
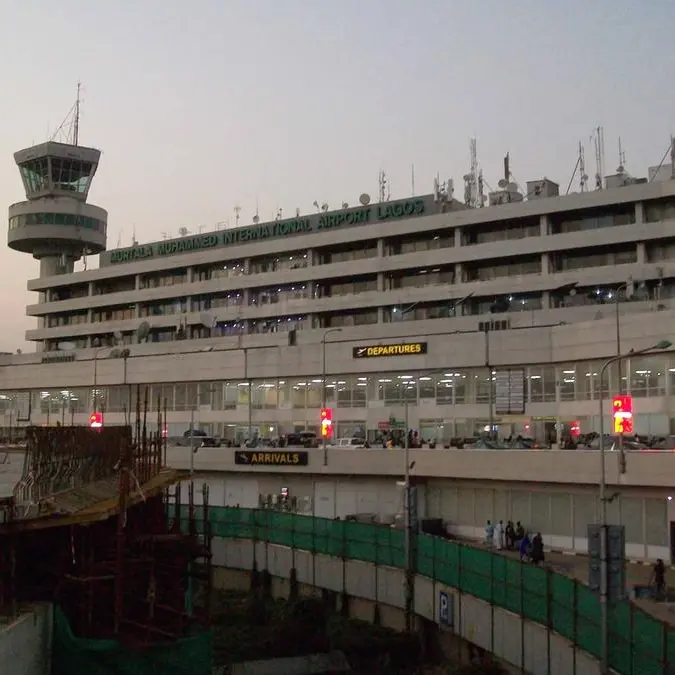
x=574, y=467
x=521, y=643
x=26, y=643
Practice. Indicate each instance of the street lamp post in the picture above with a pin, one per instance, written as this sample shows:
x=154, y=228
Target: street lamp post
x=617, y=321
x=96, y=353
x=323, y=383
x=604, y=567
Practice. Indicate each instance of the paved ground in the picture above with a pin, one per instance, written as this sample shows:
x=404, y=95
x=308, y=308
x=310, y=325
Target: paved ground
x=576, y=566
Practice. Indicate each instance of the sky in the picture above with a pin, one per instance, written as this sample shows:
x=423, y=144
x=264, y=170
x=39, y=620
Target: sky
x=204, y=106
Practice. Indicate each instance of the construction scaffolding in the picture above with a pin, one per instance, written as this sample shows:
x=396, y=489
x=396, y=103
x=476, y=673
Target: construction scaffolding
x=89, y=528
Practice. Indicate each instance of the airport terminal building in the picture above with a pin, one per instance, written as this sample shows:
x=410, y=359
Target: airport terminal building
x=428, y=307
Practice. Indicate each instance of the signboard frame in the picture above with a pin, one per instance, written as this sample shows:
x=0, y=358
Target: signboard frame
x=391, y=349
x=278, y=457
x=445, y=609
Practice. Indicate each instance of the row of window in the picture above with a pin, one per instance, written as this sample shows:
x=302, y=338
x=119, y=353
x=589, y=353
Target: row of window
x=652, y=290
x=68, y=219
x=642, y=377
x=60, y=173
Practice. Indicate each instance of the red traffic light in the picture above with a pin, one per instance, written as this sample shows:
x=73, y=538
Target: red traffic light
x=622, y=412
x=326, y=422
x=96, y=420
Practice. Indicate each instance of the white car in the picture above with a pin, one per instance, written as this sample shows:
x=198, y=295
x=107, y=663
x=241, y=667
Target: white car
x=348, y=443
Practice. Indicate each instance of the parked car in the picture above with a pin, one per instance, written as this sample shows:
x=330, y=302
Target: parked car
x=350, y=442
x=305, y=439
x=197, y=438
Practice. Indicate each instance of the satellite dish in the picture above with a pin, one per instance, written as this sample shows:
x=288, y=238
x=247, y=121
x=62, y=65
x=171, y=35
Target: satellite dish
x=183, y=231
x=364, y=199
x=118, y=336
x=324, y=207
x=114, y=354
x=256, y=219
x=206, y=320
x=66, y=346
x=143, y=331
x=345, y=205
x=503, y=183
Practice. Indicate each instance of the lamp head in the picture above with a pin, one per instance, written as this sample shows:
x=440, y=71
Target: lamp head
x=663, y=344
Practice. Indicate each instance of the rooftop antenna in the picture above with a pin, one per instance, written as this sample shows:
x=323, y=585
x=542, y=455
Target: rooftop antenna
x=383, y=190
x=237, y=211
x=412, y=179
x=583, y=176
x=134, y=241
x=119, y=239
x=76, y=119
x=672, y=156
x=622, y=159
x=72, y=120
x=599, y=141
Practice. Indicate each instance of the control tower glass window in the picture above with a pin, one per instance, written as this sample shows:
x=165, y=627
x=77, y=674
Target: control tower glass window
x=35, y=175
x=70, y=175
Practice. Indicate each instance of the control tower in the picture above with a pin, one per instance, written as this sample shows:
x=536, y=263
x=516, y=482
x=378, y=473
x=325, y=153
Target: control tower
x=55, y=224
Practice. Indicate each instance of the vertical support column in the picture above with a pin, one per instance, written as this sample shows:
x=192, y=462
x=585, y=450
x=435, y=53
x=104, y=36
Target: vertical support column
x=543, y=226
x=639, y=213
x=641, y=253
x=545, y=264
x=458, y=237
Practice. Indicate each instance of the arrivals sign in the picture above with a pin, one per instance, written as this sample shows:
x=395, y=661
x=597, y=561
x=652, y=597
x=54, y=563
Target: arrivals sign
x=395, y=349
x=271, y=458
x=387, y=211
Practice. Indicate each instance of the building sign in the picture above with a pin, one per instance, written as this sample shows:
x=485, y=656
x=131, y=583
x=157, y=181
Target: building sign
x=408, y=208
x=445, y=609
x=397, y=349
x=58, y=358
x=267, y=458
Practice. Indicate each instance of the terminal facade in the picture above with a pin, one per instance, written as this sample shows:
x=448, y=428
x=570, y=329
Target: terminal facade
x=421, y=307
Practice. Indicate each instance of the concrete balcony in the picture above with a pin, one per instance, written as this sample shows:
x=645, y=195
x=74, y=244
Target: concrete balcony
x=577, y=467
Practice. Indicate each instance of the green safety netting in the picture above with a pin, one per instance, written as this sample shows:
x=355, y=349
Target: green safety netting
x=639, y=644
x=74, y=656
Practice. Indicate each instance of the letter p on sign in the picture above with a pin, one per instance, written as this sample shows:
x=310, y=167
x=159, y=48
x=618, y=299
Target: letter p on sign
x=444, y=609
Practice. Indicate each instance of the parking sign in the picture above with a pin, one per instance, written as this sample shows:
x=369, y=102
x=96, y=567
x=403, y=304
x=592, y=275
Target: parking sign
x=444, y=609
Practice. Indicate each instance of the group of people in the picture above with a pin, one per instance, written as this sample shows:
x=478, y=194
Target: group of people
x=514, y=538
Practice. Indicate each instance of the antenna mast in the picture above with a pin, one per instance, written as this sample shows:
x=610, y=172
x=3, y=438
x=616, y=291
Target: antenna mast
x=76, y=119
x=473, y=181
x=237, y=211
x=599, y=140
x=622, y=158
x=383, y=187
x=583, y=176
